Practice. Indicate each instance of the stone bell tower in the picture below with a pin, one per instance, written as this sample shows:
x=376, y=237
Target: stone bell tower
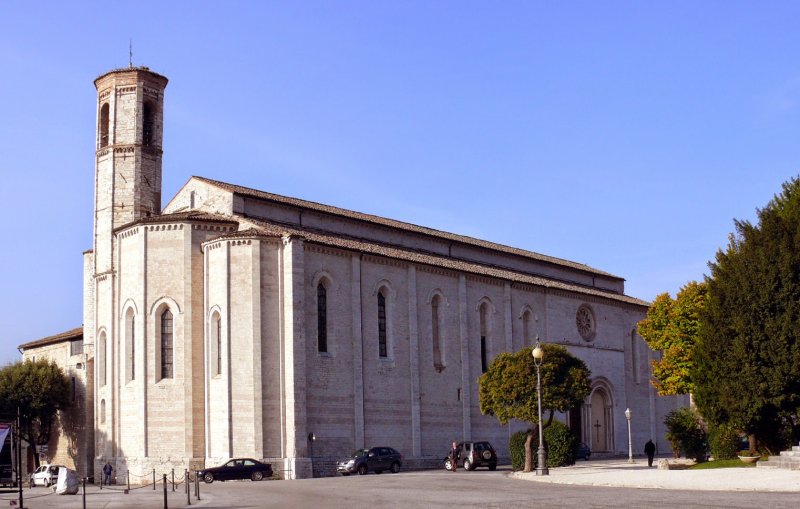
x=130, y=108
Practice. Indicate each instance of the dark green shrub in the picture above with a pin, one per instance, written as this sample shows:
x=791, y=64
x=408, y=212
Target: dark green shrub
x=559, y=442
x=685, y=430
x=723, y=441
x=516, y=449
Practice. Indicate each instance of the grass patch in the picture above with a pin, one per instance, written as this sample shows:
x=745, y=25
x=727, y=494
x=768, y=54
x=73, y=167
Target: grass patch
x=737, y=463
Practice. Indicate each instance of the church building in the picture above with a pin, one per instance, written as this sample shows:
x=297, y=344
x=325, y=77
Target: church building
x=235, y=322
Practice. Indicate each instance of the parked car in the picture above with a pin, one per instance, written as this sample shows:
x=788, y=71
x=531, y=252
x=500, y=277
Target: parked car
x=583, y=451
x=474, y=454
x=45, y=475
x=237, y=468
x=376, y=459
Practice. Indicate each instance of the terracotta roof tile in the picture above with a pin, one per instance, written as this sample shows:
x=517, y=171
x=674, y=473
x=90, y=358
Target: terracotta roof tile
x=265, y=228
x=246, y=191
x=70, y=335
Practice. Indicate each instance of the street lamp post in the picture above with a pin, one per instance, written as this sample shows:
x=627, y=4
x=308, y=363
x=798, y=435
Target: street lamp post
x=630, y=446
x=541, y=464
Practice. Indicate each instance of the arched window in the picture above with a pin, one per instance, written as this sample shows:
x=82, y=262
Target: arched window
x=215, y=345
x=102, y=348
x=526, y=328
x=634, y=357
x=484, y=309
x=148, y=121
x=166, y=344
x=322, y=318
x=382, y=349
x=104, y=125
x=130, y=346
x=436, y=331
x=102, y=411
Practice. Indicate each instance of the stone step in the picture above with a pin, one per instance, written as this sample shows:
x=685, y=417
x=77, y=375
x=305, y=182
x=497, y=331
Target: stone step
x=784, y=462
x=790, y=454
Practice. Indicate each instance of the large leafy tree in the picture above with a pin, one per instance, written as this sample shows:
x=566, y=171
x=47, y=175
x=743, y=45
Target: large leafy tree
x=671, y=327
x=747, y=358
x=508, y=388
x=39, y=389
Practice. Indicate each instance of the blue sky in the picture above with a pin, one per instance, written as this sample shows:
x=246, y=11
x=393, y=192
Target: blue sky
x=623, y=135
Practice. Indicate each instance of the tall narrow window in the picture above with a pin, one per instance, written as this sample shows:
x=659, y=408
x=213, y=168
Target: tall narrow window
x=102, y=411
x=526, y=328
x=148, y=120
x=436, y=334
x=322, y=318
x=166, y=344
x=219, y=345
x=382, y=350
x=101, y=359
x=215, y=345
x=634, y=357
x=104, y=125
x=484, y=353
x=130, y=343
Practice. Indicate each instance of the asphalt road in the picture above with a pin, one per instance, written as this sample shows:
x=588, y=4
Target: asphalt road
x=409, y=490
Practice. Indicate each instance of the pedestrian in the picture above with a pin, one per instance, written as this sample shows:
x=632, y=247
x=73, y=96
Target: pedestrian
x=453, y=456
x=650, y=450
x=107, y=469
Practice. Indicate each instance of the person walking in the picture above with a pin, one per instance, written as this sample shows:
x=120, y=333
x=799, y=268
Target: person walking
x=650, y=450
x=107, y=469
x=453, y=456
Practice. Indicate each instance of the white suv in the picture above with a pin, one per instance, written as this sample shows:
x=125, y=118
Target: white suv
x=45, y=475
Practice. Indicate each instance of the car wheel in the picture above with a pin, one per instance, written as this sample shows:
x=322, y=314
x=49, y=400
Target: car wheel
x=257, y=476
x=467, y=464
x=345, y=474
x=492, y=466
x=47, y=483
x=448, y=465
x=379, y=472
x=395, y=467
x=208, y=478
x=362, y=470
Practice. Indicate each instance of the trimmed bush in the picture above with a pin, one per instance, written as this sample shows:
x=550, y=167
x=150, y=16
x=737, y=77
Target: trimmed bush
x=685, y=431
x=723, y=441
x=559, y=442
x=516, y=449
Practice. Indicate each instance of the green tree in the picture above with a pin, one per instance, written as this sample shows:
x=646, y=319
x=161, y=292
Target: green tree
x=747, y=358
x=508, y=388
x=39, y=389
x=685, y=433
x=671, y=327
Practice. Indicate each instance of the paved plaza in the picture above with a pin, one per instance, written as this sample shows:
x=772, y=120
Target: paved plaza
x=592, y=484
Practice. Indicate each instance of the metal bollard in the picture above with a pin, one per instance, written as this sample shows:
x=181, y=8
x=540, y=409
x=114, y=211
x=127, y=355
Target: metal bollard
x=186, y=479
x=165, y=491
x=197, y=486
x=173, y=479
x=84, y=493
x=128, y=474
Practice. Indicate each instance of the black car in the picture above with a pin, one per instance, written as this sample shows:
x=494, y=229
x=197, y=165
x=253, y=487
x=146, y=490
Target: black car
x=238, y=468
x=474, y=454
x=583, y=451
x=375, y=460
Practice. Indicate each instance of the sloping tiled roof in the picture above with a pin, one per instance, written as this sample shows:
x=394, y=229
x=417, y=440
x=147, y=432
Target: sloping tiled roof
x=328, y=209
x=268, y=229
x=70, y=335
x=180, y=216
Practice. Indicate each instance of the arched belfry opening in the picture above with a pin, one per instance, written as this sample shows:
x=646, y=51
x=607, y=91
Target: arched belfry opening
x=104, y=119
x=148, y=123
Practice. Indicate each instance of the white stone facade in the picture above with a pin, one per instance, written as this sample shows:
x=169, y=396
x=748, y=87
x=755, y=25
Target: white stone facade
x=205, y=328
